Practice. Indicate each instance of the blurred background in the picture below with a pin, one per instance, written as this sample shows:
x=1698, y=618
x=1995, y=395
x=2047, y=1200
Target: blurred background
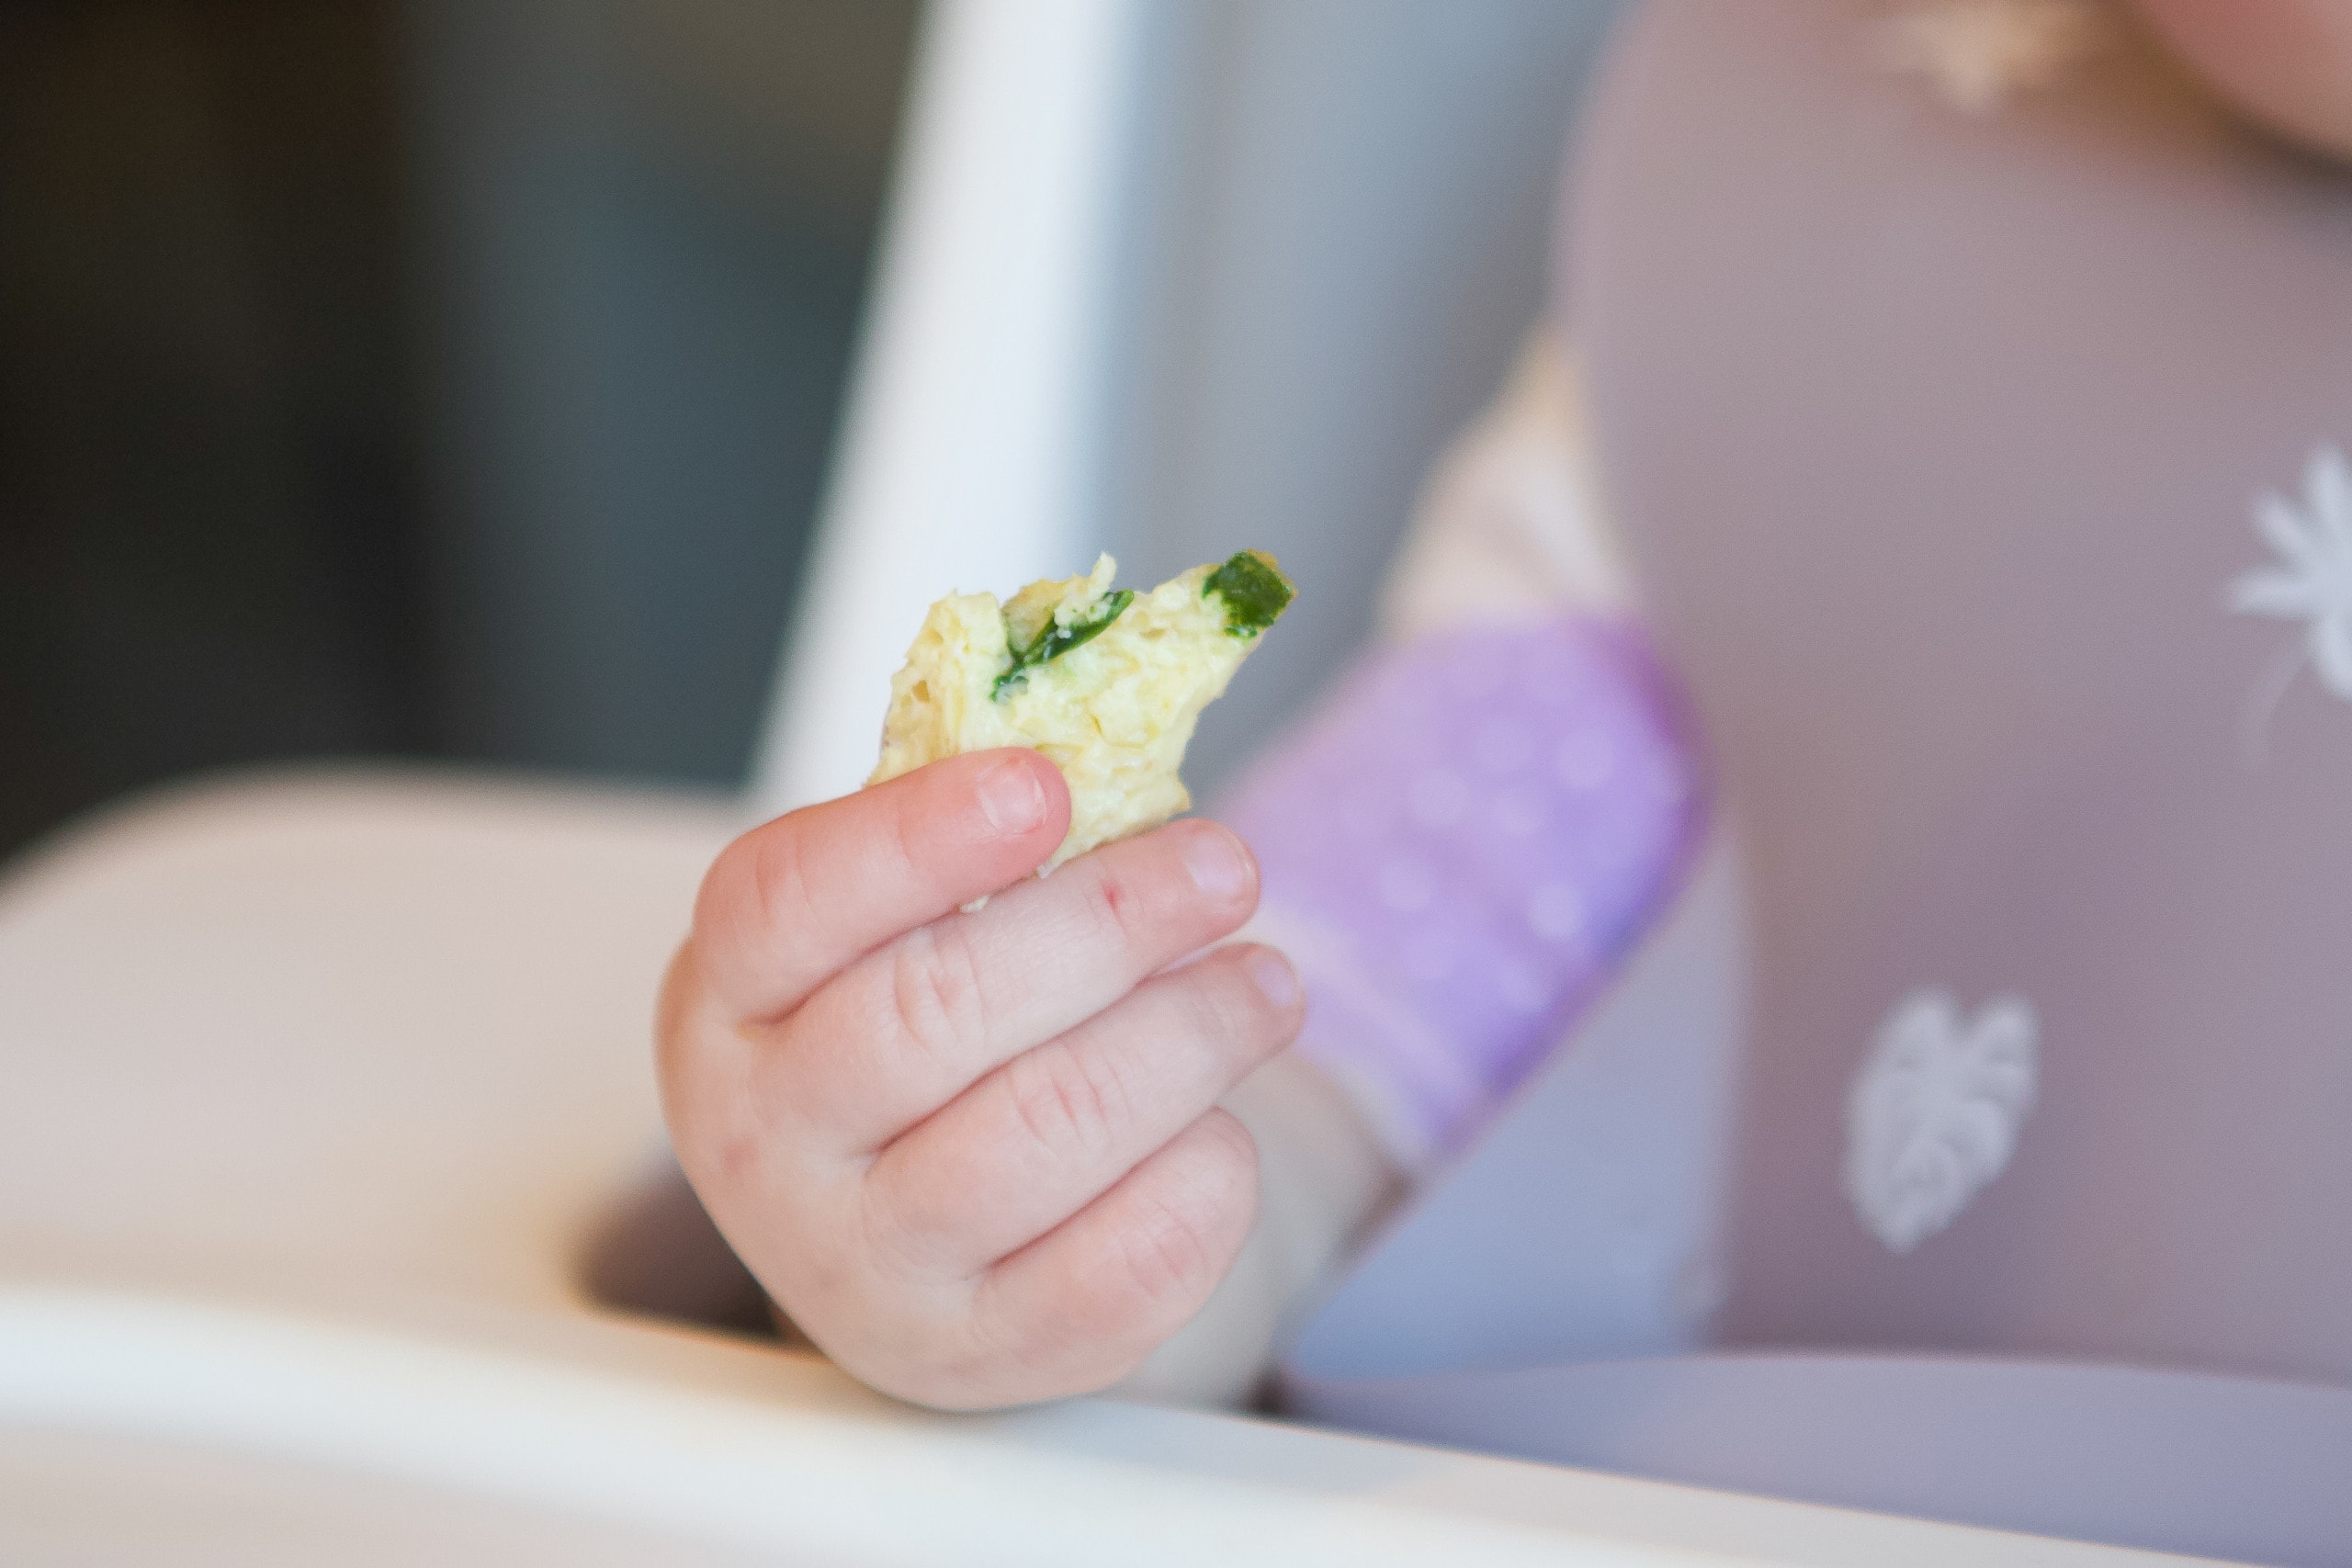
x=441, y=377
x=450, y=379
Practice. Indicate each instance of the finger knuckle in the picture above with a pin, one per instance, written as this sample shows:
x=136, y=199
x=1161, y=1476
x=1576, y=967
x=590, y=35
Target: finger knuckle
x=1066, y=1101
x=1176, y=1249
x=938, y=997
x=1168, y=1255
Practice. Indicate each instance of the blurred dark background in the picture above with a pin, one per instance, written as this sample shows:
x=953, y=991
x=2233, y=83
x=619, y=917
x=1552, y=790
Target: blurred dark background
x=320, y=322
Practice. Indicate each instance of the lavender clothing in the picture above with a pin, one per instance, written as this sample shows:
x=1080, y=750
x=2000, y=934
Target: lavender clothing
x=1986, y=476
x=1945, y=466
x=1459, y=850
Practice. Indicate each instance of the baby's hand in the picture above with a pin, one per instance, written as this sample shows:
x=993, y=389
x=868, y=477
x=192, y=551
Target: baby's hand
x=976, y=1157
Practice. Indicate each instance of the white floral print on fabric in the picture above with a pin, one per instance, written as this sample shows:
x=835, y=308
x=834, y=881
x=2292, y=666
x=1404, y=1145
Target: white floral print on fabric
x=1979, y=53
x=2313, y=579
x=1934, y=1114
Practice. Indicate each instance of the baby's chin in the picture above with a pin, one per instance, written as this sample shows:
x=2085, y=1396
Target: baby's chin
x=2287, y=63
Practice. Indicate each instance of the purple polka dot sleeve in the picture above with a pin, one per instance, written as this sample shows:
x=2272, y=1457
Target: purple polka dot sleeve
x=1460, y=849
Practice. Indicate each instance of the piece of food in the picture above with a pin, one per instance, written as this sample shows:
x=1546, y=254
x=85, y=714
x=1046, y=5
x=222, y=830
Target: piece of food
x=1107, y=683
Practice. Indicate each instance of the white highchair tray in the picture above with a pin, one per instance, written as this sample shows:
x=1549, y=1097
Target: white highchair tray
x=313, y=1091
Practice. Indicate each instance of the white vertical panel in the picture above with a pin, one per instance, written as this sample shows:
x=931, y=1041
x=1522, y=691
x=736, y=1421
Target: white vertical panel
x=971, y=451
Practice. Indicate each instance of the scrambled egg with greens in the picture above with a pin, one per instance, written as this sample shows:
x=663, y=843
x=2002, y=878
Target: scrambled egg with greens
x=1106, y=682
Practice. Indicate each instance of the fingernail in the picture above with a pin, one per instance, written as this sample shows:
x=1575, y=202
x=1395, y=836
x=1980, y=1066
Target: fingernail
x=1275, y=977
x=1214, y=858
x=1010, y=797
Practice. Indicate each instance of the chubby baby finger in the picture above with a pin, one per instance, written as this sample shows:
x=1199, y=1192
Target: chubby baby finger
x=905, y=1029
x=1052, y=1130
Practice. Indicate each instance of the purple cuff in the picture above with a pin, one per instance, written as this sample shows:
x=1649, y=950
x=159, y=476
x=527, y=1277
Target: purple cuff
x=1460, y=849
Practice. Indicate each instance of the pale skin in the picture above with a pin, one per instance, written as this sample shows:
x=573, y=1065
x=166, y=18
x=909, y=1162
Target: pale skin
x=2285, y=63
x=977, y=1158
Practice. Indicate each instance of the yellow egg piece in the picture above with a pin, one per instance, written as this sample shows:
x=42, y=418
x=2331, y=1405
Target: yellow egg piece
x=1107, y=683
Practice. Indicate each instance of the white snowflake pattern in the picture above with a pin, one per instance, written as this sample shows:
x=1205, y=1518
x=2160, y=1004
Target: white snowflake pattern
x=1981, y=53
x=2313, y=580
x=1934, y=1114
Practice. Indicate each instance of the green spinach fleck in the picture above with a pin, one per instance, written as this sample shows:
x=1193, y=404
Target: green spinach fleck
x=1255, y=593
x=1056, y=639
